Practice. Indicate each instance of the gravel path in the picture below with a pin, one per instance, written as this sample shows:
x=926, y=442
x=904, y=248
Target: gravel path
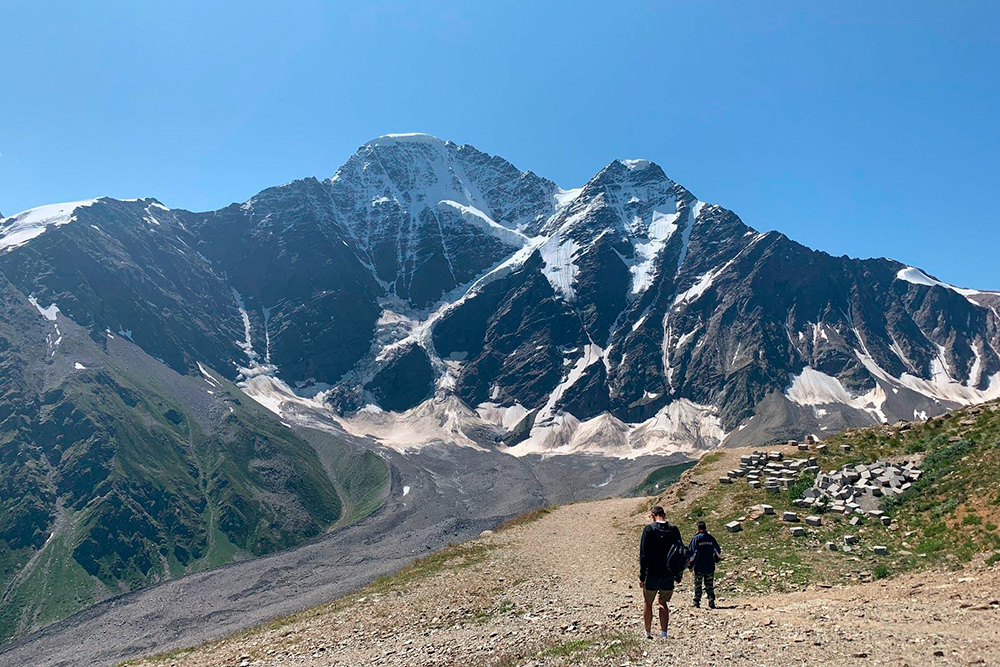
x=561, y=590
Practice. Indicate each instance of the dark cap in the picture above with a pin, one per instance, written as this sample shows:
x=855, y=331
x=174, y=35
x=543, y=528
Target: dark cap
x=702, y=526
x=658, y=511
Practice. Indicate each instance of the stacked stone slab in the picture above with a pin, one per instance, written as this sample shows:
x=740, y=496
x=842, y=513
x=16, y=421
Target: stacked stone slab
x=858, y=489
x=771, y=470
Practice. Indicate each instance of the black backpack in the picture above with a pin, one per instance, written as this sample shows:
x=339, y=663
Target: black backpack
x=677, y=558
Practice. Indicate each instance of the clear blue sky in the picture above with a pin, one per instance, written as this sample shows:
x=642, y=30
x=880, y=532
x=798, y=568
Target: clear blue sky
x=857, y=127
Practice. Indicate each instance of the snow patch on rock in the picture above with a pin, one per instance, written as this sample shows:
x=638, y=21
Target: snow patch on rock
x=813, y=387
x=48, y=312
x=22, y=227
x=679, y=427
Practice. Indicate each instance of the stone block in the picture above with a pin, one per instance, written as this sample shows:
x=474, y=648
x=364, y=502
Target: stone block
x=814, y=521
x=754, y=484
x=734, y=526
x=725, y=480
x=797, y=531
x=767, y=509
x=789, y=516
x=885, y=520
x=831, y=546
x=880, y=551
x=850, y=539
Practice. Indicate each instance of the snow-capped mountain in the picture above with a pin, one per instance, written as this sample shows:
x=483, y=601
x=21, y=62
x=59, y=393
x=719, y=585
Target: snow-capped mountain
x=429, y=291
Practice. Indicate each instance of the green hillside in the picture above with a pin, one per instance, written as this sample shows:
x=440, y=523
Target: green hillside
x=947, y=519
x=134, y=490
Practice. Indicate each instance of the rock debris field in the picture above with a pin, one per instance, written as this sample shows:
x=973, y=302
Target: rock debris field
x=562, y=590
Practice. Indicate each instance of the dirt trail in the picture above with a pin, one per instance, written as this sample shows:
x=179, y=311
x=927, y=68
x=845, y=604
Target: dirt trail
x=562, y=590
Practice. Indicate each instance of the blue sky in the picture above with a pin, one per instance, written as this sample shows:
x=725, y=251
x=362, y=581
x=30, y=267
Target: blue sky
x=857, y=127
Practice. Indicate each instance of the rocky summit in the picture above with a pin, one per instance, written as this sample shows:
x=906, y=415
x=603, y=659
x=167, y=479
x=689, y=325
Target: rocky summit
x=426, y=295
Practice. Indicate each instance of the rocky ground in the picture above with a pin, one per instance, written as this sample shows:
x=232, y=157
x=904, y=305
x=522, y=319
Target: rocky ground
x=440, y=495
x=560, y=589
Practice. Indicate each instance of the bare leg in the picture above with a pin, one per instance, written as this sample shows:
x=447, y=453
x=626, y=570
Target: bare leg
x=664, y=614
x=647, y=614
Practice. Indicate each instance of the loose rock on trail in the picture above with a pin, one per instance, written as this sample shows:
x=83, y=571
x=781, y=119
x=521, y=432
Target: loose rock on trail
x=562, y=589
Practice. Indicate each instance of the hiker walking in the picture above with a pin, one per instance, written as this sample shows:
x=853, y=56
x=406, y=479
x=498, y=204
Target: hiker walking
x=658, y=550
x=705, y=553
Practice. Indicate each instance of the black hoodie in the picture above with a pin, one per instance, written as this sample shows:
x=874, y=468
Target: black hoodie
x=657, y=538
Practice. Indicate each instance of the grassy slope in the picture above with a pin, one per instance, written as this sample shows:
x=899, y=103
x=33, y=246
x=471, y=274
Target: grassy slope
x=363, y=479
x=661, y=478
x=175, y=499
x=947, y=519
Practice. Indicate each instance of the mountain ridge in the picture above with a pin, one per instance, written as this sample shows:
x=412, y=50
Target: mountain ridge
x=351, y=283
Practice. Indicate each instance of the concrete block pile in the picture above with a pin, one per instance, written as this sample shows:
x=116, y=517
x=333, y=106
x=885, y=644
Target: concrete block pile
x=770, y=470
x=859, y=489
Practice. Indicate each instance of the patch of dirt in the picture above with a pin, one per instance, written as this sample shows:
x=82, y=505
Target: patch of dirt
x=562, y=590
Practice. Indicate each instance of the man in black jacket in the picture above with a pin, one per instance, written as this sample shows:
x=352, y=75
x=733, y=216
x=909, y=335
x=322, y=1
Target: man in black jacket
x=705, y=552
x=655, y=576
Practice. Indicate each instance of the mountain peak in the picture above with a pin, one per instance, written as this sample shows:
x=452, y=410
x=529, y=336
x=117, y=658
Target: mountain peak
x=407, y=138
x=637, y=164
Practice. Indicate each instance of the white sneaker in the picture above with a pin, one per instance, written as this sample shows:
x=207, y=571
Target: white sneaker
x=649, y=635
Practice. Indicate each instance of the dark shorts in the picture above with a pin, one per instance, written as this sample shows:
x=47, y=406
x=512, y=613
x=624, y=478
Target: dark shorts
x=653, y=584
x=660, y=583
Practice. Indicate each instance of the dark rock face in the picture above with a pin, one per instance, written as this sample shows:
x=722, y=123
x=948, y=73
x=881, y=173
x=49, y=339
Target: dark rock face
x=132, y=267
x=405, y=382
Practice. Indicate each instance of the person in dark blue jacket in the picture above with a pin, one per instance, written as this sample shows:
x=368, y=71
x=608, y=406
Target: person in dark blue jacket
x=705, y=553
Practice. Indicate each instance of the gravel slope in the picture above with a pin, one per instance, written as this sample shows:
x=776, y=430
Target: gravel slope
x=561, y=590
